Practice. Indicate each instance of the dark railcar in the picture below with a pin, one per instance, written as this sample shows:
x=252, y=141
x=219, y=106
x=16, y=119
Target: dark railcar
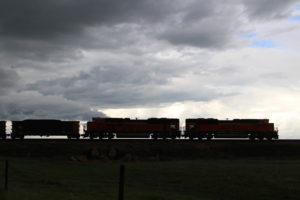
x=3, y=129
x=133, y=128
x=45, y=127
x=237, y=128
x=71, y=129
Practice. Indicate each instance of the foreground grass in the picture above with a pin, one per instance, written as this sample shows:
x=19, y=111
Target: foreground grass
x=36, y=178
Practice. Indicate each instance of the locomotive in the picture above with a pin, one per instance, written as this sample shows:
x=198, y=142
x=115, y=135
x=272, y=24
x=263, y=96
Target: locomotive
x=137, y=128
x=236, y=128
x=154, y=128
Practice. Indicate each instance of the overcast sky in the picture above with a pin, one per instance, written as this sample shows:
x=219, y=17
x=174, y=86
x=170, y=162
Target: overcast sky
x=68, y=59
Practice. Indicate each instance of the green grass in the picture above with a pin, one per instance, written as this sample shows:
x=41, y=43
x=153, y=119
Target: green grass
x=38, y=178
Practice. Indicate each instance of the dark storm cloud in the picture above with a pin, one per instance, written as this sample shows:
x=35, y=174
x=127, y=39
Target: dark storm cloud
x=48, y=19
x=8, y=80
x=36, y=28
x=19, y=106
x=58, y=29
x=119, y=86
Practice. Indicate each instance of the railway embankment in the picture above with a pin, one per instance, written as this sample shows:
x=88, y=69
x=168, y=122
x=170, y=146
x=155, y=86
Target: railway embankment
x=132, y=150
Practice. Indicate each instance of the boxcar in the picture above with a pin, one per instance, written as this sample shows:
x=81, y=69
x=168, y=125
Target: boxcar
x=45, y=127
x=132, y=128
x=3, y=129
x=236, y=128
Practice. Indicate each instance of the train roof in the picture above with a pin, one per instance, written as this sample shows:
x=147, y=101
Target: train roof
x=100, y=119
x=212, y=120
x=203, y=120
x=38, y=121
x=108, y=119
x=252, y=120
x=163, y=119
x=41, y=120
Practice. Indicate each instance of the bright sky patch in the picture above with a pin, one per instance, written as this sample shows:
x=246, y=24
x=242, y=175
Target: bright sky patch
x=263, y=44
x=250, y=35
x=297, y=7
x=295, y=18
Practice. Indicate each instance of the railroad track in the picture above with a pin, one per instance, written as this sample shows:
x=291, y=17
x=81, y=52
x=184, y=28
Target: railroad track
x=125, y=140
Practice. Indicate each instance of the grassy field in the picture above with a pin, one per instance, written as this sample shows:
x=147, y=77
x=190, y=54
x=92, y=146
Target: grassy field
x=242, y=178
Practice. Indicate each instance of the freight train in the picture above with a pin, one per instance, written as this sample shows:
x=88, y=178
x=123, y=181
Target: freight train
x=154, y=128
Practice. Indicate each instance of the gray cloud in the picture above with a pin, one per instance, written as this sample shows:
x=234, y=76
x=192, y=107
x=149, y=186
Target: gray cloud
x=9, y=79
x=34, y=19
x=204, y=24
x=121, y=86
x=268, y=9
x=19, y=106
x=60, y=29
x=215, y=25
x=210, y=33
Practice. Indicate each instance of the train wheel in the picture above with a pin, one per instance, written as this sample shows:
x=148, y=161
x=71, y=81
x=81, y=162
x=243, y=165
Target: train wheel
x=91, y=136
x=22, y=137
x=173, y=136
x=77, y=137
x=199, y=136
x=110, y=136
x=269, y=138
x=162, y=135
x=252, y=137
x=155, y=136
x=191, y=137
x=261, y=138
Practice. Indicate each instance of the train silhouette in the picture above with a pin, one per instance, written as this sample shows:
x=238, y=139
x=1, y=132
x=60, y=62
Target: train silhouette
x=154, y=128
